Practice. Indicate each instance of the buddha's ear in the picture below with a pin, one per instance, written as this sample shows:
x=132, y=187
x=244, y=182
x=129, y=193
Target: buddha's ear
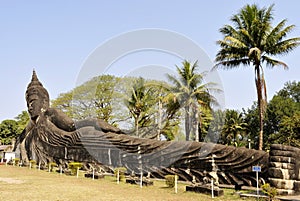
x=45, y=104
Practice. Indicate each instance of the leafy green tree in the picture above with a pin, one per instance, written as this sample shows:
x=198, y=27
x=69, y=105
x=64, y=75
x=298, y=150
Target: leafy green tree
x=215, y=127
x=279, y=107
x=282, y=109
x=22, y=121
x=171, y=119
x=103, y=97
x=283, y=105
x=168, y=115
x=253, y=40
x=8, y=130
x=235, y=129
x=251, y=117
x=202, y=122
x=11, y=129
x=291, y=90
x=140, y=103
x=190, y=93
x=64, y=103
x=92, y=99
x=290, y=130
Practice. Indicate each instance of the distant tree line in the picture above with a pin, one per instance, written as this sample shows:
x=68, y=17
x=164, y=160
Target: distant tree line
x=182, y=108
x=146, y=108
x=153, y=109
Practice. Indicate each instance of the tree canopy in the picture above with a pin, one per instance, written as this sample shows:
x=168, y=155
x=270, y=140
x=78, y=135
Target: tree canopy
x=11, y=129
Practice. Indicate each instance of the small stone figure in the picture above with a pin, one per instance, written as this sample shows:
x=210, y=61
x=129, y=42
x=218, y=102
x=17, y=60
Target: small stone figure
x=194, y=182
x=214, y=170
x=205, y=179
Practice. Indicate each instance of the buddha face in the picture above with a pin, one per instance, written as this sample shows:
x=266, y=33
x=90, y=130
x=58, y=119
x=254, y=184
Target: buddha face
x=37, y=102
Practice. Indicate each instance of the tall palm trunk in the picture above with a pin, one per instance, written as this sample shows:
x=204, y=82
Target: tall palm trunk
x=159, y=119
x=196, y=125
x=137, y=126
x=261, y=101
x=187, y=123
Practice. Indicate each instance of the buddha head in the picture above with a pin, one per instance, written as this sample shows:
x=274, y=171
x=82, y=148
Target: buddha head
x=37, y=98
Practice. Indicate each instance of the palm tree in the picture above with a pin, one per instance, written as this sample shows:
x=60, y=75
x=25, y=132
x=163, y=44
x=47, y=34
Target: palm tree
x=140, y=103
x=234, y=128
x=253, y=40
x=189, y=92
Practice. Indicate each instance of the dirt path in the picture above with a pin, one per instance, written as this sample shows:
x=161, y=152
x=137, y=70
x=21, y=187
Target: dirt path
x=11, y=180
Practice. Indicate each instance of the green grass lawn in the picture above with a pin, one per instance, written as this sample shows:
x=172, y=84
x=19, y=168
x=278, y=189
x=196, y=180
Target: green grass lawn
x=21, y=183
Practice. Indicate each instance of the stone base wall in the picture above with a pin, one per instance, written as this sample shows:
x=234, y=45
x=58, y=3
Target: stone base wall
x=284, y=167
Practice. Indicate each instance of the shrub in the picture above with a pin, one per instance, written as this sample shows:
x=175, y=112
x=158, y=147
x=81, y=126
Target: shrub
x=122, y=171
x=170, y=180
x=73, y=166
x=33, y=163
x=270, y=191
x=16, y=161
x=51, y=165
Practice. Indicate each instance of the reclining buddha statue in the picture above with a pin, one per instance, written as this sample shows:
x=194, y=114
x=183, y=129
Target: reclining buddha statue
x=51, y=136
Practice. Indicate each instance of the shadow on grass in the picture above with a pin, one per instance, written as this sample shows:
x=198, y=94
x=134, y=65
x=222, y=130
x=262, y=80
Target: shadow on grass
x=166, y=187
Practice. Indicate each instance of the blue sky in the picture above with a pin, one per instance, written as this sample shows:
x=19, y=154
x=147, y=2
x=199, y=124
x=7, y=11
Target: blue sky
x=56, y=38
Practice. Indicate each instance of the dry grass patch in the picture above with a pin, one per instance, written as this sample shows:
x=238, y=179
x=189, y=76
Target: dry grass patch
x=42, y=185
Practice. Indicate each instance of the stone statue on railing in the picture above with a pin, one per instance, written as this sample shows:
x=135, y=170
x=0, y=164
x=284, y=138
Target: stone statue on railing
x=51, y=136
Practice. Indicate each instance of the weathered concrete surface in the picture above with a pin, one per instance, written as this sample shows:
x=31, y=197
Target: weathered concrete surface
x=284, y=169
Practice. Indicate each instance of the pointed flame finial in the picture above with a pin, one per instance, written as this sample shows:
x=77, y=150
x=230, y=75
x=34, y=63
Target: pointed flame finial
x=34, y=80
x=34, y=76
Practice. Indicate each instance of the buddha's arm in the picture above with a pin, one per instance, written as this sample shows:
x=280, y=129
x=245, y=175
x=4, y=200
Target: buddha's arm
x=60, y=119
